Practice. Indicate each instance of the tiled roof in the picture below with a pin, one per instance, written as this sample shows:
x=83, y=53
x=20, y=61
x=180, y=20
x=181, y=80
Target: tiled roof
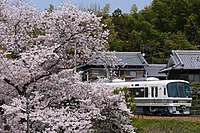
x=131, y=58
x=128, y=58
x=153, y=70
x=183, y=59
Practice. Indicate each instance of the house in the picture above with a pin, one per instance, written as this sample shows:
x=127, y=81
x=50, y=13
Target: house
x=183, y=64
x=153, y=70
x=134, y=67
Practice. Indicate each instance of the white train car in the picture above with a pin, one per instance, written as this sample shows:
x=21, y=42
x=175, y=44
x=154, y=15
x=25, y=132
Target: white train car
x=162, y=97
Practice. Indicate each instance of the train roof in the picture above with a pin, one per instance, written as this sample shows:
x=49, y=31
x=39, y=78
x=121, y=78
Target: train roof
x=144, y=83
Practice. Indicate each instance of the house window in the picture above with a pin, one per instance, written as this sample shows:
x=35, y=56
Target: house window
x=102, y=73
x=132, y=73
x=140, y=74
x=190, y=77
x=194, y=78
x=97, y=72
x=128, y=73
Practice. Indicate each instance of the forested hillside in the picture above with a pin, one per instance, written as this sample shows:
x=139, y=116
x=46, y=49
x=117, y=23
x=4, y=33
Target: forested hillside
x=155, y=30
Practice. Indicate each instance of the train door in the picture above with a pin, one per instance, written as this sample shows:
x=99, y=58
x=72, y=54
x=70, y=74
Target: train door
x=154, y=94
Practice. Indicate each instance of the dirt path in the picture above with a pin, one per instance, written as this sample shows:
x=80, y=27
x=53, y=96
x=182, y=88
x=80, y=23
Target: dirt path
x=185, y=118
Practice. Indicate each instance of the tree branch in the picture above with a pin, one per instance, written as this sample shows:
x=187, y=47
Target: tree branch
x=16, y=87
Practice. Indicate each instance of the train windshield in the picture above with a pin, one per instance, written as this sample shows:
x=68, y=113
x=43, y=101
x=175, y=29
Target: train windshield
x=178, y=89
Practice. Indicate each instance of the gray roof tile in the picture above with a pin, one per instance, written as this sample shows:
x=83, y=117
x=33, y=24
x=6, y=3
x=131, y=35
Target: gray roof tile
x=153, y=70
x=131, y=58
x=184, y=59
x=128, y=58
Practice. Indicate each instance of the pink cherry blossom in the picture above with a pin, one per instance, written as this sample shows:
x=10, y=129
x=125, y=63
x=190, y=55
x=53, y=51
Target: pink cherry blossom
x=39, y=51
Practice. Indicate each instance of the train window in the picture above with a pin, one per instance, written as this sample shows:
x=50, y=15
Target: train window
x=146, y=91
x=137, y=92
x=164, y=91
x=156, y=91
x=178, y=89
x=152, y=91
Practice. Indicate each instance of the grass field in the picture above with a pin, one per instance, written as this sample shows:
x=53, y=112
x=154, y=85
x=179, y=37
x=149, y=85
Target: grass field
x=165, y=126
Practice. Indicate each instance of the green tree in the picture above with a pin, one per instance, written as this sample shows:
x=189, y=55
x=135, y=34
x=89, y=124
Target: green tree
x=157, y=29
x=134, y=9
x=51, y=8
x=105, y=11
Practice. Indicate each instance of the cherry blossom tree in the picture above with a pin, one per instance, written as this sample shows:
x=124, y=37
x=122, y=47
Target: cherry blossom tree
x=39, y=90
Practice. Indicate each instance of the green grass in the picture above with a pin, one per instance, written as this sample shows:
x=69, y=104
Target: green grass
x=165, y=126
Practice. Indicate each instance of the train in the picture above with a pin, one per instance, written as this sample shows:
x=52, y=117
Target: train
x=158, y=97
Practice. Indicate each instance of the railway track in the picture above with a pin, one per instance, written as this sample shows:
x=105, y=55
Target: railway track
x=193, y=118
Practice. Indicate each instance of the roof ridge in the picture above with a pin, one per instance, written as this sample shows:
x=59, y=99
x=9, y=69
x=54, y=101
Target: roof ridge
x=185, y=50
x=142, y=58
x=125, y=52
x=178, y=57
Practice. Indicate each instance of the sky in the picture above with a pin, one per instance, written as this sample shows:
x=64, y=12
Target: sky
x=124, y=5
